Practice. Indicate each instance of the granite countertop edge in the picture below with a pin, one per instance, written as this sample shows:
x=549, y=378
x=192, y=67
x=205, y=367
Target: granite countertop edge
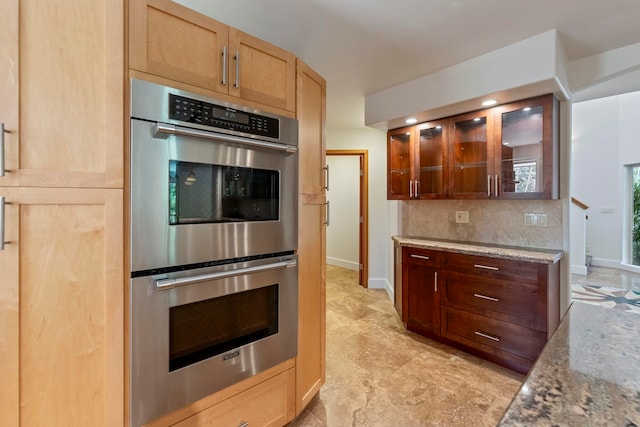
x=543, y=256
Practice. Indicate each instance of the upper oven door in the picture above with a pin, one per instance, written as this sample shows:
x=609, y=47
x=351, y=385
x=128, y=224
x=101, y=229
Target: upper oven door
x=199, y=196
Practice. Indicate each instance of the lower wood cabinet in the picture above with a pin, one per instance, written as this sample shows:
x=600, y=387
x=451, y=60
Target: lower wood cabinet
x=499, y=309
x=422, y=296
x=269, y=404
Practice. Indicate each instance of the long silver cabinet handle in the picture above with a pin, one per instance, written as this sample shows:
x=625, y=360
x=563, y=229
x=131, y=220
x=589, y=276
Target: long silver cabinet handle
x=491, y=337
x=166, y=129
x=419, y=256
x=2, y=149
x=237, y=58
x=224, y=66
x=326, y=168
x=496, y=193
x=164, y=284
x=488, y=185
x=486, y=297
x=1, y=223
x=411, y=189
x=486, y=267
x=328, y=221
x=435, y=287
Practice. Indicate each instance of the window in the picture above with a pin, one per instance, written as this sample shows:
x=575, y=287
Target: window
x=635, y=205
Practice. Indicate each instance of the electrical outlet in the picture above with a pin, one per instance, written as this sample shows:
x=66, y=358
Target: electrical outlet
x=462, y=217
x=535, y=219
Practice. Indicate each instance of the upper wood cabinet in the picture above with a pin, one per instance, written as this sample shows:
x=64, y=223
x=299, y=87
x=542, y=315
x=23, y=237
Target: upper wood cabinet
x=61, y=93
x=417, y=162
x=171, y=41
x=506, y=152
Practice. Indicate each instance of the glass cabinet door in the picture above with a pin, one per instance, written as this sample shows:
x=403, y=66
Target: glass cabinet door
x=523, y=148
x=471, y=156
x=432, y=174
x=400, y=158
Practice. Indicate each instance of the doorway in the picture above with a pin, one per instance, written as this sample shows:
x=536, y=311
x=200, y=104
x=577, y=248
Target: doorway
x=357, y=216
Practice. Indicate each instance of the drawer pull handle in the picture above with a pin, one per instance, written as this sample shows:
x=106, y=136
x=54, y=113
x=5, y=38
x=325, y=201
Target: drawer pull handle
x=243, y=424
x=491, y=337
x=486, y=297
x=419, y=256
x=435, y=287
x=486, y=267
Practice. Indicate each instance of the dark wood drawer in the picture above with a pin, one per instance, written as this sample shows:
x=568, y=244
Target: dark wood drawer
x=425, y=257
x=491, y=335
x=517, y=302
x=507, y=269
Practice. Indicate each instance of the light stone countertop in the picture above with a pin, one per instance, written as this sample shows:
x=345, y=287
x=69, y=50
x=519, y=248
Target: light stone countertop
x=542, y=256
x=587, y=375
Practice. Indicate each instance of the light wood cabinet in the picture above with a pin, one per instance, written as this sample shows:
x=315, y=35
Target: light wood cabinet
x=171, y=41
x=505, y=152
x=61, y=307
x=268, y=404
x=61, y=92
x=310, y=362
x=61, y=286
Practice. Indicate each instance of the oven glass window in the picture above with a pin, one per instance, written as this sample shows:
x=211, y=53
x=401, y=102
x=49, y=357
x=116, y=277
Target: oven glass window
x=207, y=328
x=205, y=193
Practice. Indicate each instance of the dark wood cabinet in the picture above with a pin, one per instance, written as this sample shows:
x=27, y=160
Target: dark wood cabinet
x=499, y=309
x=422, y=302
x=504, y=152
x=417, y=167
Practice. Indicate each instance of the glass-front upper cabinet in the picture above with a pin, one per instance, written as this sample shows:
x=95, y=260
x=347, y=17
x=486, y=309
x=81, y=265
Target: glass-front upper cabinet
x=472, y=155
x=432, y=173
x=525, y=145
x=400, y=159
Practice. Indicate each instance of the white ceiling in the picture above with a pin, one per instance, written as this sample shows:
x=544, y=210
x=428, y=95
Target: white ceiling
x=364, y=46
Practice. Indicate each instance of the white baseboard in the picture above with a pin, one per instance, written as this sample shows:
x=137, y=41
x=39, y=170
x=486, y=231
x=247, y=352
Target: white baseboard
x=579, y=269
x=601, y=262
x=381, y=284
x=343, y=263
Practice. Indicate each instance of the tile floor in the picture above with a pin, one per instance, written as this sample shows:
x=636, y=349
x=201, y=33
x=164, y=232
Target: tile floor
x=608, y=287
x=379, y=375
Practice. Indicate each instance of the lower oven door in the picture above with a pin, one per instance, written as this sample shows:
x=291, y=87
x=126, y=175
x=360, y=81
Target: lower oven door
x=196, y=332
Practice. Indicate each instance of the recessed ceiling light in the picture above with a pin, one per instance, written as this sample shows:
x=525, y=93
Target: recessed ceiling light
x=477, y=119
x=411, y=121
x=408, y=133
x=438, y=127
x=526, y=109
x=489, y=102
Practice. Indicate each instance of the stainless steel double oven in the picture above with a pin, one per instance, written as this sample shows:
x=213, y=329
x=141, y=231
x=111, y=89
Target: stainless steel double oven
x=213, y=287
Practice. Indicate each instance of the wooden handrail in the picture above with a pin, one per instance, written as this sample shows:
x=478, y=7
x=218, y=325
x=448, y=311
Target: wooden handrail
x=579, y=203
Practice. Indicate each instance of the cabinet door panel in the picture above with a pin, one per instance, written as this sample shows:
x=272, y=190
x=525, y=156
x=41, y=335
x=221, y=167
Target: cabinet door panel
x=423, y=300
x=68, y=363
x=261, y=72
x=525, y=146
x=400, y=159
x=310, y=363
x=172, y=41
x=471, y=157
x=432, y=171
x=81, y=144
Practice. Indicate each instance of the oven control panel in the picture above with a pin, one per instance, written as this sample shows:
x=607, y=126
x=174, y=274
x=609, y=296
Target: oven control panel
x=204, y=113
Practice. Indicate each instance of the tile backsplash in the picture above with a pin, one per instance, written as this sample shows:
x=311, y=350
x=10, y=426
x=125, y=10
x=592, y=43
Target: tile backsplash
x=490, y=221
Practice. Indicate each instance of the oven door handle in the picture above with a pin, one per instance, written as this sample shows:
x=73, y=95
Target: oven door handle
x=165, y=284
x=166, y=129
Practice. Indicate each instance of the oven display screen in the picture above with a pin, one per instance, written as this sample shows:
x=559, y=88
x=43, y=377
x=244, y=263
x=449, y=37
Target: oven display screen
x=204, y=329
x=205, y=113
